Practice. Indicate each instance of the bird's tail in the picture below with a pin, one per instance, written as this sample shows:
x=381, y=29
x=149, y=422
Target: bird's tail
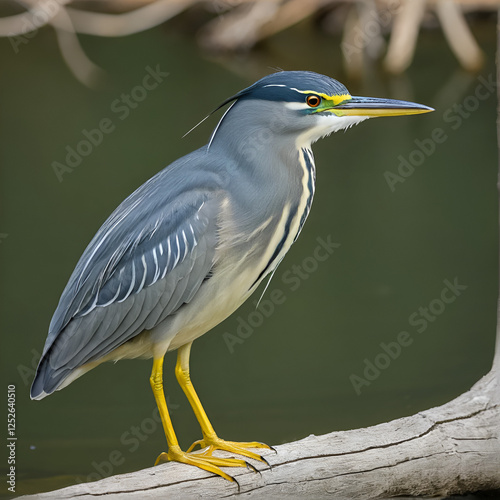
x=55, y=373
x=47, y=379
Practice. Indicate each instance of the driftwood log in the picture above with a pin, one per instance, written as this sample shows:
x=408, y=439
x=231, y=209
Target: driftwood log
x=454, y=448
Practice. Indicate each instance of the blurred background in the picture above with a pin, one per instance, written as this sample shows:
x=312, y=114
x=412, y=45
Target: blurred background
x=95, y=97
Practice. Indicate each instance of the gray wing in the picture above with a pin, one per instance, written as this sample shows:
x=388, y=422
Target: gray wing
x=147, y=260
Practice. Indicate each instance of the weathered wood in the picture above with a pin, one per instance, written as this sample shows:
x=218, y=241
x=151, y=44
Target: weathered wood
x=454, y=448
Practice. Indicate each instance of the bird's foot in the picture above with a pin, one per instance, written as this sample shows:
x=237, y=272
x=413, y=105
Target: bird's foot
x=215, y=443
x=204, y=460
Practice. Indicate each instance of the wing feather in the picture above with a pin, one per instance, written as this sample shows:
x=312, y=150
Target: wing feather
x=144, y=263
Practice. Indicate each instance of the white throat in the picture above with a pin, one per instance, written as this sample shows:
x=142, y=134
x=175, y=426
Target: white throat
x=325, y=125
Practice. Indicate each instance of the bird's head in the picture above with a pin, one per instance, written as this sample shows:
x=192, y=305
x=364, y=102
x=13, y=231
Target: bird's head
x=308, y=106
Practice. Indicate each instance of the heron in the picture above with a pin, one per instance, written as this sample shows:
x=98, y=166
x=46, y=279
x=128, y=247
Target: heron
x=189, y=246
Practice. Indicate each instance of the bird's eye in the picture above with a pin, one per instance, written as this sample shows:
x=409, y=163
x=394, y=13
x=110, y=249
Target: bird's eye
x=313, y=101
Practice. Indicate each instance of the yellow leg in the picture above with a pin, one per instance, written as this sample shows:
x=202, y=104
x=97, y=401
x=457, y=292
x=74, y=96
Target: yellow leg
x=210, y=438
x=201, y=460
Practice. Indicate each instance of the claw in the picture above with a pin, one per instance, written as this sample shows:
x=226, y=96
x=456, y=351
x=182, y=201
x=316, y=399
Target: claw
x=265, y=461
x=237, y=484
x=251, y=467
x=213, y=442
x=203, y=460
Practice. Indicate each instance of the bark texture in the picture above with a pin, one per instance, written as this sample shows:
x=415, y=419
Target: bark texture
x=454, y=448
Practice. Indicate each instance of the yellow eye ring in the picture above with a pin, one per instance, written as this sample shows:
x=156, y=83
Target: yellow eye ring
x=313, y=101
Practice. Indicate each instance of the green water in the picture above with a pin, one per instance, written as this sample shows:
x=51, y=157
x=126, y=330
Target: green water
x=298, y=370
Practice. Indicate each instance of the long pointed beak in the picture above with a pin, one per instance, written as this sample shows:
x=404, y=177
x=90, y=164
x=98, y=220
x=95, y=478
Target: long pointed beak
x=373, y=106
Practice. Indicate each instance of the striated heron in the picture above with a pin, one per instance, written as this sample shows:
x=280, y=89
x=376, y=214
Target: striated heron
x=188, y=247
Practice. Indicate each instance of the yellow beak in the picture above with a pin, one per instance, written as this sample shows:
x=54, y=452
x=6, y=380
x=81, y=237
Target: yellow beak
x=373, y=106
